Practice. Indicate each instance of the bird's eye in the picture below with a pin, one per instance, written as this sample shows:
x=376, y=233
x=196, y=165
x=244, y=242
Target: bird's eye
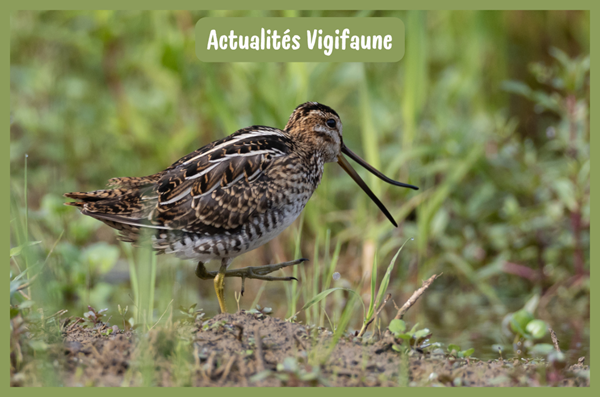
x=331, y=123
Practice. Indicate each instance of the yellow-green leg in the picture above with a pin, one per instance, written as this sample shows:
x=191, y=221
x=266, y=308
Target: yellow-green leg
x=220, y=288
x=259, y=273
x=220, y=284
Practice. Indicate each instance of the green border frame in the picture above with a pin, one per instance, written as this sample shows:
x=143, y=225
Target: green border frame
x=307, y=5
x=293, y=5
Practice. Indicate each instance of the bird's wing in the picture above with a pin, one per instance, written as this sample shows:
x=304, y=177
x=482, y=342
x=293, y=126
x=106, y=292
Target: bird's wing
x=220, y=185
x=214, y=189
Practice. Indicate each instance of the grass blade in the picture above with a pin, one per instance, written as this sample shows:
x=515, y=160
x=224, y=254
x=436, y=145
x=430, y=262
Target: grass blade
x=388, y=274
x=322, y=295
x=373, y=288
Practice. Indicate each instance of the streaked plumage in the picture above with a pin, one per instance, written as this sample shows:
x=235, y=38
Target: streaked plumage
x=230, y=196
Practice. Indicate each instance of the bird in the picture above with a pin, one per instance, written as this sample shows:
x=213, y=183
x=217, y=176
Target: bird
x=232, y=195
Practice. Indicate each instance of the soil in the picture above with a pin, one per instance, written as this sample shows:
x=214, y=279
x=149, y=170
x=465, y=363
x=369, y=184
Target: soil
x=253, y=349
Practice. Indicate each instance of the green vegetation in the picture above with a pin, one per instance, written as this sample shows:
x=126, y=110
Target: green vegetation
x=488, y=113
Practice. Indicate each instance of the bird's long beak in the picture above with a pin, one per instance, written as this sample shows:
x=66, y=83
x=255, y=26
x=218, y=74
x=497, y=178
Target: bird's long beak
x=348, y=168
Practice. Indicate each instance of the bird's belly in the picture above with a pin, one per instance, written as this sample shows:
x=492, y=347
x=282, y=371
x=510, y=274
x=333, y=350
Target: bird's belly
x=258, y=231
x=270, y=233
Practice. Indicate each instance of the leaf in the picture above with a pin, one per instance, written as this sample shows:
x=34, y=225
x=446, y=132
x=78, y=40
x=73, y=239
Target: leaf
x=21, y=275
x=388, y=274
x=532, y=303
x=371, y=310
x=14, y=285
x=16, y=251
x=468, y=353
x=519, y=321
x=536, y=328
x=422, y=333
x=516, y=87
x=413, y=329
x=397, y=326
x=541, y=349
x=38, y=345
x=26, y=304
x=452, y=347
x=322, y=295
x=260, y=376
x=290, y=364
x=516, y=327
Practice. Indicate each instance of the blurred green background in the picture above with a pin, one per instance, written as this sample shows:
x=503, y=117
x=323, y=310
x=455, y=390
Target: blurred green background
x=488, y=113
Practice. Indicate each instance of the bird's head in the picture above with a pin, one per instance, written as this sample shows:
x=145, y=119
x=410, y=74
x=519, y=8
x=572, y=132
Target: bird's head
x=319, y=129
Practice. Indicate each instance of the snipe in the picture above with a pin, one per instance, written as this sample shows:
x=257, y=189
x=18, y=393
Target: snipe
x=231, y=196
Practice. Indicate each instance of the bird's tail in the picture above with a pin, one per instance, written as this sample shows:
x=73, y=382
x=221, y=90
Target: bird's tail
x=124, y=209
x=95, y=196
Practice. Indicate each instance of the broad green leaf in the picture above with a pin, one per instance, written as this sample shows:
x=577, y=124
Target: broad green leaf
x=536, y=328
x=519, y=321
x=397, y=326
x=421, y=333
x=468, y=352
x=516, y=327
x=452, y=347
x=541, y=349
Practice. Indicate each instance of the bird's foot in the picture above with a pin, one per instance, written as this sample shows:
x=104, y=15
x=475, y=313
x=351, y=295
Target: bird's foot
x=255, y=272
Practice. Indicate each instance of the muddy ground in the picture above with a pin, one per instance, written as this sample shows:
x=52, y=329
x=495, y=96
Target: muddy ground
x=253, y=349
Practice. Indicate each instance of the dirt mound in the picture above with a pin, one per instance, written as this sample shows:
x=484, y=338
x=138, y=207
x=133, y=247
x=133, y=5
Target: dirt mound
x=265, y=351
x=233, y=356
x=253, y=349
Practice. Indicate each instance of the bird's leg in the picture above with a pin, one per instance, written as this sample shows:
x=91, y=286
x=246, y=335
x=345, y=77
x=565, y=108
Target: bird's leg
x=220, y=283
x=202, y=273
x=255, y=272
